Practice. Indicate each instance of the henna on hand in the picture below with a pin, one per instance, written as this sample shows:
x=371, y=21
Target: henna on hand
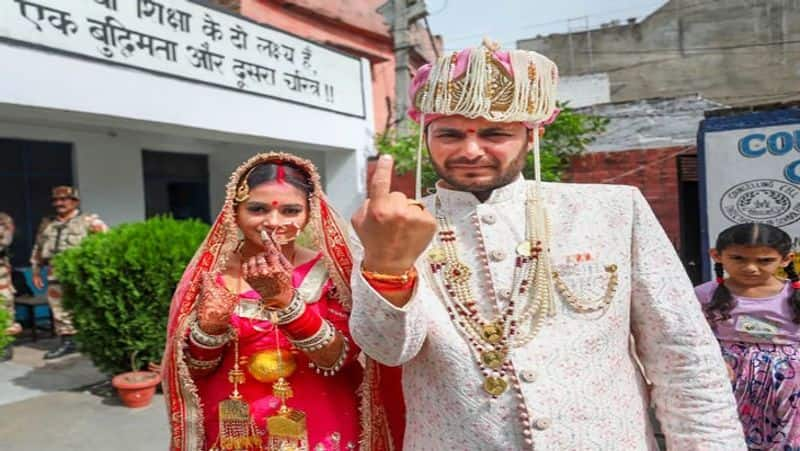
x=270, y=274
x=215, y=306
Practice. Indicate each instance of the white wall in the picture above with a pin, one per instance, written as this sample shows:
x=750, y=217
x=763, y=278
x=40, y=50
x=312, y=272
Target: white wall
x=584, y=90
x=111, y=113
x=42, y=79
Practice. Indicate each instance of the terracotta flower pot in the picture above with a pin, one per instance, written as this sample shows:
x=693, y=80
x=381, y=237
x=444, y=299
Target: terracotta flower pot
x=136, y=388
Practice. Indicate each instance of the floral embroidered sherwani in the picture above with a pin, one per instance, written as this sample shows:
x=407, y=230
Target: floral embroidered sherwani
x=580, y=381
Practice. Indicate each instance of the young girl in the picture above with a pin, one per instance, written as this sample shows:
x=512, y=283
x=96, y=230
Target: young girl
x=756, y=318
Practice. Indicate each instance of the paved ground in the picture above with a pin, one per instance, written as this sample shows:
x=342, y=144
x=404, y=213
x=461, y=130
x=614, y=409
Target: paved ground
x=67, y=404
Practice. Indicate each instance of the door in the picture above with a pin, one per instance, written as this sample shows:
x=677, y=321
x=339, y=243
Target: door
x=176, y=184
x=29, y=170
x=689, y=199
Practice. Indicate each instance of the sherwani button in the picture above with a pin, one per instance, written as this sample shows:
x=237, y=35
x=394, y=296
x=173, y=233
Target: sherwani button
x=542, y=423
x=497, y=255
x=489, y=218
x=505, y=294
x=528, y=376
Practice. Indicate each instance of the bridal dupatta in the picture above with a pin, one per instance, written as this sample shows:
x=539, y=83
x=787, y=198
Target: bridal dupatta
x=380, y=430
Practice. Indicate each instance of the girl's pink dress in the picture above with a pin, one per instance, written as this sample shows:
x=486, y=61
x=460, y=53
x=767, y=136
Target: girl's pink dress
x=761, y=344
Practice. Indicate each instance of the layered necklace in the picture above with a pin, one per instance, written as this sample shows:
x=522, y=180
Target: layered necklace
x=530, y=300
x=528, y=303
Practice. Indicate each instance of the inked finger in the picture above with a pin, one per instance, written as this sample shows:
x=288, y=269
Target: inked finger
x=264, y=235
x=269, y=243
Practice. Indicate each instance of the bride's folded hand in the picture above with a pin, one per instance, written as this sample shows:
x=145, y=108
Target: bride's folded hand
x=269, y=273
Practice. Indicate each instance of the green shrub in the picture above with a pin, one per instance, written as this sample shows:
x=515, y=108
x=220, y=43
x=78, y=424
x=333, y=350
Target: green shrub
x=5, y=322
x=119, y=284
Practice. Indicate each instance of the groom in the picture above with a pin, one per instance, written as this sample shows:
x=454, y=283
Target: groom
x=510, y=303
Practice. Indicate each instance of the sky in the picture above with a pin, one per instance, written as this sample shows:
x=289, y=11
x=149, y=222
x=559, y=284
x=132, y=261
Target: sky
x=463, y=23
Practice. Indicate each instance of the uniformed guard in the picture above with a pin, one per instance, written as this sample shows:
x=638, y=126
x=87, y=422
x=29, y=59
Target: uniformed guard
x=56, y=234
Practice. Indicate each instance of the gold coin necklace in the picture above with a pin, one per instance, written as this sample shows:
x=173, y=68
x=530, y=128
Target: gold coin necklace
x=528, y=302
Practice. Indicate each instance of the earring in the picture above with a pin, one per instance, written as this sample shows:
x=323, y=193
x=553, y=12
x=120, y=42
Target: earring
x=243, y=190
x=242, y=193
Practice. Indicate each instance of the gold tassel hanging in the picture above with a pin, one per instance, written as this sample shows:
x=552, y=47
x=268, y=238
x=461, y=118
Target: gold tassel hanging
x=237, y=430
x=286, y=429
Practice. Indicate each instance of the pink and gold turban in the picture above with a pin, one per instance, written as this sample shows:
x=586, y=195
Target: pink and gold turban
x=498, y=85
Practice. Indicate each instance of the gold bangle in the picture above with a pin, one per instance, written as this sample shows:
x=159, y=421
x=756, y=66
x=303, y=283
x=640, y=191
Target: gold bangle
x=401, y=279
x=198, y=364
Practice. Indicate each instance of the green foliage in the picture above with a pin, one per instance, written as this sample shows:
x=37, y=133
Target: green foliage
x=5, y=322
x=566, y=137
x=119, y=285
x=404, y=150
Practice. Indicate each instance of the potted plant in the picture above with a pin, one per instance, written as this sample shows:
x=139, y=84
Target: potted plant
x=118, y=286
x=136, y=388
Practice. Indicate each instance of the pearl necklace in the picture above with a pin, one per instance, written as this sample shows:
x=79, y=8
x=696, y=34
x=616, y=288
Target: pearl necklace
x=491, y=339
x=529, y=304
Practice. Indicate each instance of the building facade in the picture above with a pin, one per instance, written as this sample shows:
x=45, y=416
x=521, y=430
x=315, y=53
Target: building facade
x=355, y=27
x=147, y=108
x=735, y=52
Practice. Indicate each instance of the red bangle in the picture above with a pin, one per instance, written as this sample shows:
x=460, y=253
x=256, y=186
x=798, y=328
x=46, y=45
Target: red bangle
x=796, y=285
x=198, y=352
x=304, y=326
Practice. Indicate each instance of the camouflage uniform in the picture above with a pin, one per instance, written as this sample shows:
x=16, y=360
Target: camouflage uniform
x=6, y=285
x=54, y=236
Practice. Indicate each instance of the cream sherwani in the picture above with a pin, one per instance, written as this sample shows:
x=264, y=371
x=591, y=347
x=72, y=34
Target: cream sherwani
x=580, y=381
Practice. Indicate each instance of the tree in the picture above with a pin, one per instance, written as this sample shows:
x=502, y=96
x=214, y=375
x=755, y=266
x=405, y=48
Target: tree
x=568, y=136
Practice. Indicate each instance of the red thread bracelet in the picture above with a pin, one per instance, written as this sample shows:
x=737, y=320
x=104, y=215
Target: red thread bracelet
x=390, y=287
